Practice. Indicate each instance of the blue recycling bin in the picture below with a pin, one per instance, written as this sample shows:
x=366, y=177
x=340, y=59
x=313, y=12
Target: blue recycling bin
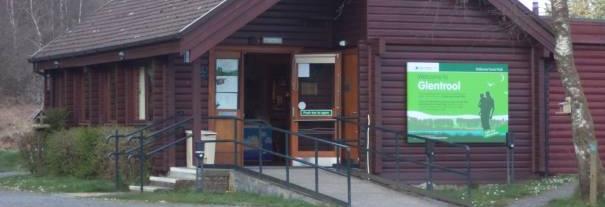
x=251, y=134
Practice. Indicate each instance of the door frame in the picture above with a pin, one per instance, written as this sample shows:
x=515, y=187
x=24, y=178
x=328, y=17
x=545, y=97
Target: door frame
x=295, y=97
x=240, y=53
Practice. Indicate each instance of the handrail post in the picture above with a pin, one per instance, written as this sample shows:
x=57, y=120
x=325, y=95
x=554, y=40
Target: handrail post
x=117, y=159
x=429, y=156
x=397, y=156
x=288, y=161
x=142, y=160
x=348, y=160
x=468, y=172
x=235, y=152
x=260, y=151
x=316, y=165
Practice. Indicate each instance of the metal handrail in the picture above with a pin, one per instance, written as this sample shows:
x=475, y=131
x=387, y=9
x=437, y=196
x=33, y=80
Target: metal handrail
x=298, y=134
x=429, y=145
x=143, y=156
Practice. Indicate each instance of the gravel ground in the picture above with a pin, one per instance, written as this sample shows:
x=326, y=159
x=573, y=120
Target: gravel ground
x=27, y=199
x=564, y=191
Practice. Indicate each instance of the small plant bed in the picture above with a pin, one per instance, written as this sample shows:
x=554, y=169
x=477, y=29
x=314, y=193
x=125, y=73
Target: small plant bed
x=498, y=195
x=230, y=198
x=9, y=160
x=56, y=184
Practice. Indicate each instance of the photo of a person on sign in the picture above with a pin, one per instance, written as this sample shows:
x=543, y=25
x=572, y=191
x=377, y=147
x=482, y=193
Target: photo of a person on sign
x=487, y=108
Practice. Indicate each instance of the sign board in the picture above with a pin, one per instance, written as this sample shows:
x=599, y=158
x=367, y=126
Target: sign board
x=318, y=112
x=457, y=102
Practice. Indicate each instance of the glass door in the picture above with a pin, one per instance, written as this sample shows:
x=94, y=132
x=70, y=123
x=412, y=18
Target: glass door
x=316, y=95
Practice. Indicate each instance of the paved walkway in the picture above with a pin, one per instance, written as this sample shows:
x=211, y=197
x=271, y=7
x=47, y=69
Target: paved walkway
x=364, y=193
x=10, y=174
x=564, y=191
x=26, y=199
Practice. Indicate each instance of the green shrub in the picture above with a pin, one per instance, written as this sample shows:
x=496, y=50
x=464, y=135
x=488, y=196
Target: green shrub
x=56, y=118
x=31, y=150
x=85, y=153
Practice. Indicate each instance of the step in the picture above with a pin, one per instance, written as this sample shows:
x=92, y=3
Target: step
x=163, y=181
x=181, y=173
x=148, y=188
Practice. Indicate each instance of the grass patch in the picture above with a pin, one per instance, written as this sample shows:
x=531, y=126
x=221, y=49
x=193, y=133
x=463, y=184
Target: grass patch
x=56, y=184
x=231, y=198
x=9, y=160
x=497, y=195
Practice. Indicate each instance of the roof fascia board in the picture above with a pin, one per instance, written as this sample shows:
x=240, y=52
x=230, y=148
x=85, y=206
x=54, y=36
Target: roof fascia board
x=198, y=40
x=158, y=49
x=527, y=21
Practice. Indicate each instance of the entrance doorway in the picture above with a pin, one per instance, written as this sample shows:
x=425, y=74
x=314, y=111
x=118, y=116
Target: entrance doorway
x=267, y=98
x=317, y=81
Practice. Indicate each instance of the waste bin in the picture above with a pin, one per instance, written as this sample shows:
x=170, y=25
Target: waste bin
x=209, y=149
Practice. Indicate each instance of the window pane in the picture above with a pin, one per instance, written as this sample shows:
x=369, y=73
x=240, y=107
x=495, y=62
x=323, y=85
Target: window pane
x=320, y=129
x=316, y=85
x=227, y=83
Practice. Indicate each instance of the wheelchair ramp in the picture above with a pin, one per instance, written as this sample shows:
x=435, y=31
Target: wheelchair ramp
x=363, y=192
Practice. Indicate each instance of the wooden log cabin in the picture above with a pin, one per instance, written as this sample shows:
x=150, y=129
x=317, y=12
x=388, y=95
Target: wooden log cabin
x=136, y=62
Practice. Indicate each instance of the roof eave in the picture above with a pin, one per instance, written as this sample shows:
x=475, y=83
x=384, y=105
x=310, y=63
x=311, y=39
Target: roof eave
x=35, y=59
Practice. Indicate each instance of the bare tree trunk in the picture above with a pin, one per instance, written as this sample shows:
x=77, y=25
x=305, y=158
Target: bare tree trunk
x=80, y=12
x=10, y=6
x=35, y=20
x=585, y=143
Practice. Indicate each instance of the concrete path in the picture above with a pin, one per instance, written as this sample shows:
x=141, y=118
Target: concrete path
x=10, y=174
x=26, y=199
x=364, y=193
x=564, y=191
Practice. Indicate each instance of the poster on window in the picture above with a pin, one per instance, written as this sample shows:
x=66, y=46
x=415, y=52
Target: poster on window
x=227, y=83
x=457, y=102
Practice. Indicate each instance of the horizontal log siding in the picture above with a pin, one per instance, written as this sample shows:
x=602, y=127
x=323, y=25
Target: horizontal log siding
x=351, y=25
x=435, y=19
x=183, y=96
x=590, y=61
x=304, y=23
x=448, y=33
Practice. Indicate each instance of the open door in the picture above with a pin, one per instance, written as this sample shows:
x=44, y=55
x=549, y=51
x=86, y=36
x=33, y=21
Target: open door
x=316, y=102
x=226, y=100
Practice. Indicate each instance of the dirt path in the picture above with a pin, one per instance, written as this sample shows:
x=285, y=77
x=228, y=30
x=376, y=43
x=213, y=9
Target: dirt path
x=564, y=191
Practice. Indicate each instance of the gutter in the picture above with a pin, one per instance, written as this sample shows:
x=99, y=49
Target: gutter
x=105, y=49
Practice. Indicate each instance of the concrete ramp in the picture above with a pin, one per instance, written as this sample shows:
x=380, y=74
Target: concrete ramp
x=364, y=193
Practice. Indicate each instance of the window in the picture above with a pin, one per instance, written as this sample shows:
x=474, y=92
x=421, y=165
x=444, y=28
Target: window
x=142, y=94
x=227, y=84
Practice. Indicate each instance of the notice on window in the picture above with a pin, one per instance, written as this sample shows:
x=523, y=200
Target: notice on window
x=304, y=70
x=457, y=102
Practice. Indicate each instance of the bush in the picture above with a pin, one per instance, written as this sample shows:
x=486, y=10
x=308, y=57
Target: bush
x=31, y=150
x=56, y=118
x=69, y=152
x=84, y=153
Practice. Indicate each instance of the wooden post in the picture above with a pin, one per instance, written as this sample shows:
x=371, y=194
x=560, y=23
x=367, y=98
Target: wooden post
x=593, y=175
x=197, y=100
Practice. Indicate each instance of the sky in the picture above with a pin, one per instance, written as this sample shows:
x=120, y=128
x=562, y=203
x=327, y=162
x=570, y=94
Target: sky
x=542, y=4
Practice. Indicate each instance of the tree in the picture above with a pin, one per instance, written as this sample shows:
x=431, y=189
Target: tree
x=584, y=140
x=25, y=26
x=593, y=9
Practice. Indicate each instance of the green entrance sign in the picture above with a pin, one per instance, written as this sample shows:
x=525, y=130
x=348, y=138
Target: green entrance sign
x=457, y=102
x=319, y=112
